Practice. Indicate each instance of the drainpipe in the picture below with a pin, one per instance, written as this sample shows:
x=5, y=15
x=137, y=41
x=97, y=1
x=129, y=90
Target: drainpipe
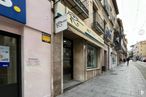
x=52, y=38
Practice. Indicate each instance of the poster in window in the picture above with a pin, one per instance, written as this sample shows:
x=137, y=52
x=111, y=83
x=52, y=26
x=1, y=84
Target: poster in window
x=4, y=56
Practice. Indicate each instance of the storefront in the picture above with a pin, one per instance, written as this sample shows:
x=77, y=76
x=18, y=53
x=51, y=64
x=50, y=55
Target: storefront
x=67, y=60
x=10, y=65
x=81, y=50
x=81, y=59
x=105, y=65
x=25, y=49
x=113, y=58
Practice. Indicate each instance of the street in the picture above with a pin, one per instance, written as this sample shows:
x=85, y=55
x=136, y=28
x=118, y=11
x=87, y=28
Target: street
x=142, y=67
x=122, y=81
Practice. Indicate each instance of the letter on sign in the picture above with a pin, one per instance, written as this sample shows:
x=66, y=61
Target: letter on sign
x=6, y=3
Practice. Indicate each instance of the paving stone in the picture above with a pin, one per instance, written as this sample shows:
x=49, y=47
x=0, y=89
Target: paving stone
x=122, y=81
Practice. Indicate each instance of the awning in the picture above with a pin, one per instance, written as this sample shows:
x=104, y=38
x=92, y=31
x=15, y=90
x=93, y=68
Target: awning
x=86, y=37
x=73, y=23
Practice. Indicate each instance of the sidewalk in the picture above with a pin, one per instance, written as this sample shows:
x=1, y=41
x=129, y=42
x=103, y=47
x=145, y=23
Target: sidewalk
x=122, y=81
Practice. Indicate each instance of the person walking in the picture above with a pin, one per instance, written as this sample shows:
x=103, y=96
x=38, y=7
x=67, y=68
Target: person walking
x=128, y=61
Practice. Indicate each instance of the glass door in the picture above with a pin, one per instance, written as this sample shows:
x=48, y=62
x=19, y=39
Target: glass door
x=9, y=83
x=67, y=60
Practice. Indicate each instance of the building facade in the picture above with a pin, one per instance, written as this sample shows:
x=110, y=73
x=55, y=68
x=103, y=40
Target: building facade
x=49, y=46
x=111, y=10
x=25, y=48
x=84, y=32
x=120, y=41
x=80, y=56
x=139, y=52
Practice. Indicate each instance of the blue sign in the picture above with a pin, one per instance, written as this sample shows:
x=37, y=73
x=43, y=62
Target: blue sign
x=14, y=9
x=4, y=64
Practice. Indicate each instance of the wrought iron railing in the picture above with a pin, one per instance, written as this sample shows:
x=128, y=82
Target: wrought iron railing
x=108, y=35
x=78, y=7
x=82, y=6
x=98, y=23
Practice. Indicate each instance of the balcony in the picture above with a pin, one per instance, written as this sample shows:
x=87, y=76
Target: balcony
x=106, y=10
x=116, y=6
x=107, y=35
x=78, y=7
x=98, y=2
x=123, y=46
x=98, y=24
x=117, y=41
x=106, y=7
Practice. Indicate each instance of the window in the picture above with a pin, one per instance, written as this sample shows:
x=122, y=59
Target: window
x=8, y=60
x=91, y=57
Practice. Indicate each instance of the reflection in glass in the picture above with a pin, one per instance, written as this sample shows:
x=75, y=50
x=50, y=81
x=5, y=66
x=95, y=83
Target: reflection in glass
x=91, y=57
x=8, y=75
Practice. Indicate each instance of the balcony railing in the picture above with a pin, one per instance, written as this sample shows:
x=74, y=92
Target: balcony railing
x=107, y=7
x=117, y=41
x=98, y=2
x=123, y=46
x=108, y=35
x=98, y=23
x=80, y=8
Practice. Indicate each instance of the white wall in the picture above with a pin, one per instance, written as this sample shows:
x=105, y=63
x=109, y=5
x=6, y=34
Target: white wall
x=36, y=64
x=36, y=55
x=39, y=15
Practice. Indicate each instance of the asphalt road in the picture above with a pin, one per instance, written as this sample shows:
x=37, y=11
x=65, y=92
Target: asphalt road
x=142, y=67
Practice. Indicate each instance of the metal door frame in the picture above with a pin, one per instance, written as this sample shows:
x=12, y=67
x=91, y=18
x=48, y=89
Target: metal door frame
x=19, y=76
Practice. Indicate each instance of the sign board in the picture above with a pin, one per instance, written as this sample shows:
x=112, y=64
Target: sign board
x=59, y=9
x=61, y=23
x=14, y=9
x=77, y=23
x=46, y=37
x=33, y=62
x=4, y=56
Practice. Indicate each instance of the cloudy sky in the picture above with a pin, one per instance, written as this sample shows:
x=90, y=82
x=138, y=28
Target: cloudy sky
x=133, y=14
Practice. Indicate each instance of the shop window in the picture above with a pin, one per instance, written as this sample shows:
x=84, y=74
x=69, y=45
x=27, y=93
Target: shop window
x=114, y=60
x=8, y=60
x=91, y=57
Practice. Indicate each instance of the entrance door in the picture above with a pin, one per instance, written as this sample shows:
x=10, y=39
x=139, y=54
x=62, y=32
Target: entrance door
x=105, y=61
x=9, y=78
x=67, y=60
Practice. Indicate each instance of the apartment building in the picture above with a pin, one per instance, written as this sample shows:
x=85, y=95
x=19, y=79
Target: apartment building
x=120, y=41
x=82, y=41
x=81, y=48
x=49, y=46
x=25, y=48
x=111, y=10
x=139, y=51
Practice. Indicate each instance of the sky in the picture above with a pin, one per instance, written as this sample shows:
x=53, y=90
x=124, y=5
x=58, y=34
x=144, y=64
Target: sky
x=133, y=15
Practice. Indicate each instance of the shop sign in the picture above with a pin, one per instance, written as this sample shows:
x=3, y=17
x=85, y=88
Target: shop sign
x=14, y=9
x=46, y=37
x=4, y=56
x=61, y=23
x=78, y=24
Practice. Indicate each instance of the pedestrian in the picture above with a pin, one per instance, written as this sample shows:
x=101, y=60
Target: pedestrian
x=124, y=60
x=120, y=60
x=128, y=61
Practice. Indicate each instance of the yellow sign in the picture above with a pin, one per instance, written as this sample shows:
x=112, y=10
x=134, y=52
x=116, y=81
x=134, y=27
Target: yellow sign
x=46, y=38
